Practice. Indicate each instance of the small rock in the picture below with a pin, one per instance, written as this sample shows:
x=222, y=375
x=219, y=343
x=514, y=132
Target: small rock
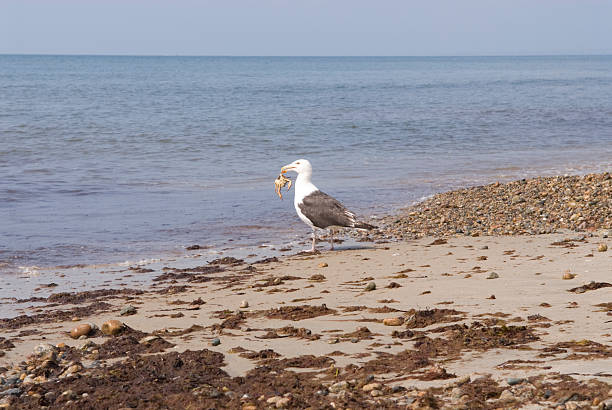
x=323, y=265
x=283, y=402
x=456, y=393
x=602, y=247
x=376, y=393
x=128, y=310
x=244, y=304
x=397, y=388
x=514, y=380
x=393, y=321
x=355, y=340
x=15, y=391
x=273, y=399
x=277, y=281
x=215, y=342
x=112, y=327
x=493, y=275
x=371, y=386
x=44, y=348
x=371, y=286
x=336, y=387
x=506, y=395
x=568, y=276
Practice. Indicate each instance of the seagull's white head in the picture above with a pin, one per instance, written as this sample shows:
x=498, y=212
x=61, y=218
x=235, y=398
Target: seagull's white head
x=301, y=166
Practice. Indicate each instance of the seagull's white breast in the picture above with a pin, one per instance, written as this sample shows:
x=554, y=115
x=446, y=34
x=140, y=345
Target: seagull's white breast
x=303, y=188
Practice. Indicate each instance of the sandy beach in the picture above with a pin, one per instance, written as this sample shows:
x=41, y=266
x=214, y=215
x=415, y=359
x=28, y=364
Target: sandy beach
x=481, y=319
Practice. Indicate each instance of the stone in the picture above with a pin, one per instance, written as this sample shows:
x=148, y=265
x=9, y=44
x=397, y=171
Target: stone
x=493, y=275
x=506, y=395
x=273, y=399
x=283, y=402
x=215, y=342
x=323, y=265
x=336, y=387
x=81, y=330
x=43, y=348
x=514, y=380
x=244, y=304
x=397, y=388
x=376, y=393
x=393, y=321
x=456, y=393
x=568, y=276
x=112, y=327
x=370, y=287
x=128, y=310
x=15, y=391
x=371, y=386
x=602, y=247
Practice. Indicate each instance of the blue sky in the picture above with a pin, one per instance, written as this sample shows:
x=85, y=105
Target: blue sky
x=307, y=27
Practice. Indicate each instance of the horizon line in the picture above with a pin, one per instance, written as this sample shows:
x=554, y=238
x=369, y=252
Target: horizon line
x=307, y=56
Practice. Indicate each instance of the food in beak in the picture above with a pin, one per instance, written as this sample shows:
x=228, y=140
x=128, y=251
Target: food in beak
x=280, y=182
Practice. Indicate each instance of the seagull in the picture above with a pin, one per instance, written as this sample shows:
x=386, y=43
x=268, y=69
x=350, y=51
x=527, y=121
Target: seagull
x=316, y=208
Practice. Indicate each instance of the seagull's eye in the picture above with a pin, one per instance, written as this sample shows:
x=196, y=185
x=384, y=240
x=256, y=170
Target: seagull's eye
x=297, y=163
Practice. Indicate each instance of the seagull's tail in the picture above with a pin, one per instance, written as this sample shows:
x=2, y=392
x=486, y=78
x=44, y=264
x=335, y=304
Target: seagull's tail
x=363, y=225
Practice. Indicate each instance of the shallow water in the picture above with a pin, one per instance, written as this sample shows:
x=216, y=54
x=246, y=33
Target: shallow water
x=108, y=159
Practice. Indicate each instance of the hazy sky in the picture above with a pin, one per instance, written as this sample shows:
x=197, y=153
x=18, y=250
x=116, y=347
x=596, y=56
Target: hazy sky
x=306, y=27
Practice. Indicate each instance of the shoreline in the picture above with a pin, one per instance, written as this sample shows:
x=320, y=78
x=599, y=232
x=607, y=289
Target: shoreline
x=442, y=327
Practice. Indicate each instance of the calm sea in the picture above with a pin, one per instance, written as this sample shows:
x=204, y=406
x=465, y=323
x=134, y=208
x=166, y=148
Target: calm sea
x=108, y=159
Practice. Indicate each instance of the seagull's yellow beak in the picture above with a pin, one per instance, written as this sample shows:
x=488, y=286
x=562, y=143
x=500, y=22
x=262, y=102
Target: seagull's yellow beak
x=286, y=168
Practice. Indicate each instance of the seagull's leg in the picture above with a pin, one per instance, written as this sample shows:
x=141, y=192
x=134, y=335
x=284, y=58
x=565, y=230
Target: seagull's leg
x=331, y=240
x=314, y=240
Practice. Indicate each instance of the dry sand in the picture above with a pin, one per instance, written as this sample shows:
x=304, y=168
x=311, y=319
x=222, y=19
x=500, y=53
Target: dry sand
x=526, y=323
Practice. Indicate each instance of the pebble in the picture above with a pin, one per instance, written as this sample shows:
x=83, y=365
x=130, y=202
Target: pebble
x=15, y=391
x=371, y=286
x=323, y=265
x=371, y=386
x=602, y=247
x=283, y=402
x=355, y=340
x=244, y=304
x=493, y=275
x=273, y=399
x=606, y=404
x=397, y=388
x=44, y=348
x=514, y=380
x=376, y=393
x=215, y=342
x=533, y=206
x=112, y=327
x=506, y=395
x=81, y=330
x=393, y=321
x=128, y=310
x=336, y=387
x=568, y=276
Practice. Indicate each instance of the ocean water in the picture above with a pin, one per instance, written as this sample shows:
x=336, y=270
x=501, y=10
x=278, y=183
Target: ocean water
x=109, y=159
